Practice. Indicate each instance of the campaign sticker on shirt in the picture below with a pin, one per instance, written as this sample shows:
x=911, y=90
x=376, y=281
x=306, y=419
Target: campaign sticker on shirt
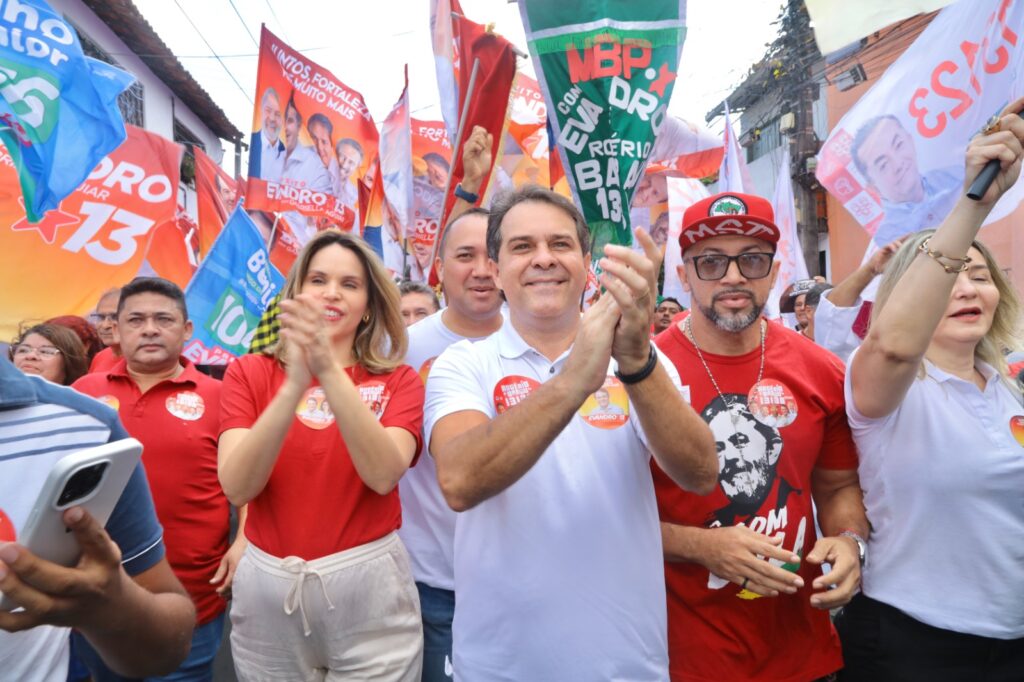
x=7, y=532
x=110, y=401
x=187, y=405
x=313, y=410
x=512, y=390
x=425, y=368
x=1017, y=428
x=607, y=407
x=772, y=403
x=375, y=396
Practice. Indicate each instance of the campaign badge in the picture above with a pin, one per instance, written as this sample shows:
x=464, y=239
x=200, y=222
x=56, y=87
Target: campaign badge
x=425, y=369
x=607, y=407
x=7, y=532
x=313, y=410
x=512, y=390
x=772, y=403
x=110, y=401
x=187, y=405
x=376, y=396
x=1017, y=428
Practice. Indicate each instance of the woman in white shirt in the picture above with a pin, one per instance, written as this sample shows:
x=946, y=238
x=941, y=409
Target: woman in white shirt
x=940, y=429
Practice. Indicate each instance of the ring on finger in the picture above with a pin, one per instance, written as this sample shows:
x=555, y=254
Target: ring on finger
x=992, y=125
x=743, y=586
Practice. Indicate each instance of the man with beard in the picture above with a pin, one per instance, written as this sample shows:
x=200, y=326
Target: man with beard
x=746, y=595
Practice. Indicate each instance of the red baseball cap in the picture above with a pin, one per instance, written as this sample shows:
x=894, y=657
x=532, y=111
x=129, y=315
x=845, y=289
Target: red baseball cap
x=728, y=213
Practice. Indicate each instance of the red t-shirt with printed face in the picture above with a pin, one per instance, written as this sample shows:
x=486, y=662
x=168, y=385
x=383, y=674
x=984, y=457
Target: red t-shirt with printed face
x=768, y=441
x=176, y=421
x=315, y=504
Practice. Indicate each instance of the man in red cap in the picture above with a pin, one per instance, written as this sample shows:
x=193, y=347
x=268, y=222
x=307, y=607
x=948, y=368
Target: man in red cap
x=746, y=595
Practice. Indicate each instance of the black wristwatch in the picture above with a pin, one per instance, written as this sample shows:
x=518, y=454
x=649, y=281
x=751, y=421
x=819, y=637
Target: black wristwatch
x=862, y=545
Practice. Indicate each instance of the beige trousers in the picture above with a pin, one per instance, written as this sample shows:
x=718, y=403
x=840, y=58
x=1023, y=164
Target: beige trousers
x=354, y=615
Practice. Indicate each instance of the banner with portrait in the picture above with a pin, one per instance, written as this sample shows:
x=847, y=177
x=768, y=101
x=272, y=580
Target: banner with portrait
x=431, y=166
x=896, y=159
x=94, y=240
x=312, y=140
x=217, y=194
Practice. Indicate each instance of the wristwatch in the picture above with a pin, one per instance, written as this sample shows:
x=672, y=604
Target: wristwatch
x=862, y=545
x=466, y=195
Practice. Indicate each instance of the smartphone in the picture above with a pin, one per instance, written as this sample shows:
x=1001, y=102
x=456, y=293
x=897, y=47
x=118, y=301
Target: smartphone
x=93, y=479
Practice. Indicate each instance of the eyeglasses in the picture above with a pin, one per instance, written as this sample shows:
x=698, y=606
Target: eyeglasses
x=96, y=318
x=23, y=349
x=714, y=266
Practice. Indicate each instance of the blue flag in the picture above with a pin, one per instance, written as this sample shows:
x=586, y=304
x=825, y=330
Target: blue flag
x=229, y=292
x=58, y=108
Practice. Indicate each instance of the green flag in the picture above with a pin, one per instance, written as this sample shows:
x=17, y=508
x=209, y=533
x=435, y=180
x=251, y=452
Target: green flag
x=607, y=68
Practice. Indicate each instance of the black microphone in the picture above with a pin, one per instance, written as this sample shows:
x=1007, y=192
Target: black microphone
x=984, y=180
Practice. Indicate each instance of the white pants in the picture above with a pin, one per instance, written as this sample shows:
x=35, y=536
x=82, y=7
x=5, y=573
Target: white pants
x=354, y=615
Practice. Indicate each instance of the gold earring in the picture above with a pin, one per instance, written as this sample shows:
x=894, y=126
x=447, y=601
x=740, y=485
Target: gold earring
x=366, y=317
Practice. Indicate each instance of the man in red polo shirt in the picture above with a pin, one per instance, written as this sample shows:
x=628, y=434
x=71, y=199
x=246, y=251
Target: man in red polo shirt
x=165, y=402
x=747, y=599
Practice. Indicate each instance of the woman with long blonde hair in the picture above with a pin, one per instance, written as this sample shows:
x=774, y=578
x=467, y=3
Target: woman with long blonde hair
x=315, y=435
x=940, y=429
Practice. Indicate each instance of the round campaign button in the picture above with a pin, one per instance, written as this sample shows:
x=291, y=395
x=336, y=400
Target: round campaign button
x=425, y=368
x=512, y=390
x=313, y=410
x=1017, y=428
x=607, y=407
x=772, y=403
x=376, y=396
x=187, y=405
x=110, y=401
x=7, y=532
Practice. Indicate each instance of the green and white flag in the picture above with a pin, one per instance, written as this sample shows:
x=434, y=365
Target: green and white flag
x=607, y=68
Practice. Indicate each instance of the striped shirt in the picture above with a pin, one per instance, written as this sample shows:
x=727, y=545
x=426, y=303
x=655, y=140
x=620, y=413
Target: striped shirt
x=40, y=423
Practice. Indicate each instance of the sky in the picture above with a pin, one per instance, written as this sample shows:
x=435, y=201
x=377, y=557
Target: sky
x=366, y=44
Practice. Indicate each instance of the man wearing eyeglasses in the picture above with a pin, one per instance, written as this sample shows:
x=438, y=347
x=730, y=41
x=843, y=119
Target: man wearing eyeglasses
x=174, y=410
x=746, y=594
x=104, y=319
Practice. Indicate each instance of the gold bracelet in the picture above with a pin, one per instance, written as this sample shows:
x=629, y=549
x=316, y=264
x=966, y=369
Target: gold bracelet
x=956, y=264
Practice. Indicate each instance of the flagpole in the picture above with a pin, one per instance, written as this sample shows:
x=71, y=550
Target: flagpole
x=456, y=149
x=273, y=230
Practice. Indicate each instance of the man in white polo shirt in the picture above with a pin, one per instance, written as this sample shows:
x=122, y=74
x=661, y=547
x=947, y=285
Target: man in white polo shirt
x=557, y=548
x=428, y=523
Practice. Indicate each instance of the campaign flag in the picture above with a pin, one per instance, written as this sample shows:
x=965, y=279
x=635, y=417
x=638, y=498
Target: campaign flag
x=733, y=174
x=489, y=100
x=788, y=252
x=217, y=193
x=396, y=176
x=94, y=240
x=284, y=245
x=686, y=150
x=837, y=24
x=895, y=161
x=229, y=292
x=443, y=35
x=607, y=71
x=173, y=251
x=682, y=193
x=431, y=164
x=313, y=139
x=58, y=108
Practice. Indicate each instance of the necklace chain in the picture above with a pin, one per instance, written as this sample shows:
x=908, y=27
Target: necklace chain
x=693, y=340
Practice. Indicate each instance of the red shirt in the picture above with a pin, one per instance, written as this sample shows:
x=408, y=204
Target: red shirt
x=716, y=631
x=177, y=421
x=104, y=361
x=315, y=504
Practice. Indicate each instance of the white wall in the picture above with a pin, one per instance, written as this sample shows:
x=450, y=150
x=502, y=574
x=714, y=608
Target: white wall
x=161, y=106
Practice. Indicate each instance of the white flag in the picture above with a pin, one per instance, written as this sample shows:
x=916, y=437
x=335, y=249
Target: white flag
x=837, y=24
x=682, y=193
x=789, y=252
x=733, y=175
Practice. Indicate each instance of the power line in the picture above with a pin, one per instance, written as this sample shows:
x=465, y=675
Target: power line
x=244, y=25
x=274, y=14
x=199, y=33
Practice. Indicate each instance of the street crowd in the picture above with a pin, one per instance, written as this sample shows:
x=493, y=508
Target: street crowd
x=511, y=488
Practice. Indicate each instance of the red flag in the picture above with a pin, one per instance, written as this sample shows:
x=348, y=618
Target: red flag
x=216, y=196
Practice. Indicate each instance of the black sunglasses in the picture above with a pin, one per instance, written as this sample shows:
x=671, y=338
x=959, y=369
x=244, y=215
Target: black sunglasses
x=714, y=266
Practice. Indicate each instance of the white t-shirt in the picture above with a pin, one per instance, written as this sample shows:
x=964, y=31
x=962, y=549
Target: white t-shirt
x=428, y=523
x=560, y=576
x=943, y=480
x=833, y=327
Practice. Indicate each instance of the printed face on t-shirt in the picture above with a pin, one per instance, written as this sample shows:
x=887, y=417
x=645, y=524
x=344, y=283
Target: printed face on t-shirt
x=747, y=452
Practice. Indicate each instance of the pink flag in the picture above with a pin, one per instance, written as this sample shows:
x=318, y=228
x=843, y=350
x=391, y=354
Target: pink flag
x=789, y=251
x=396, y=175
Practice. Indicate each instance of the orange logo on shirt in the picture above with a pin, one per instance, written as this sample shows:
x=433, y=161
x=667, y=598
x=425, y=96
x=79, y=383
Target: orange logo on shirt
x=313, y=410
x=187, y=405
x=7, y=532
x=110, y=401
x=425, y=368
x=376, y=396
x=607, y=407
x=772, y=403
x=1017, y=428
x=512, y=390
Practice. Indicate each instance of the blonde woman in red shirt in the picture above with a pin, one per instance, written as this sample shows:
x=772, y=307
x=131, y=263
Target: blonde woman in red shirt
x=315, y=435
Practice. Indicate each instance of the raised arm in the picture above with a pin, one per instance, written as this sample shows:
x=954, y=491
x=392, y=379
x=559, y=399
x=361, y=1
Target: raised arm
x=478, y=457
x=847, y=293
x=884, y=367
x=681, y=442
